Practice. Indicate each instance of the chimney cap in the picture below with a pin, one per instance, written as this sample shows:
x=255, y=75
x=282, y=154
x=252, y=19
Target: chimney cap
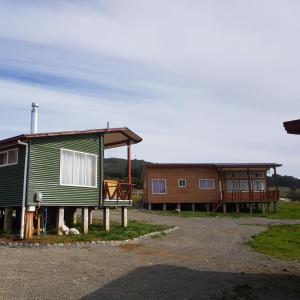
x=35, y=104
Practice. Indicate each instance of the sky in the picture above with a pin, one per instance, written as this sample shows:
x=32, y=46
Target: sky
x=199, y=81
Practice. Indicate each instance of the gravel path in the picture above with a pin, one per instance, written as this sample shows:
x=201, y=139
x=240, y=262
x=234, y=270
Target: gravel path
x=207, y=258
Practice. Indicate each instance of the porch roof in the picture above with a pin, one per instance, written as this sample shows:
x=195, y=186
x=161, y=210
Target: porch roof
x=292, y=127
x=113, y=137
x=216, y=165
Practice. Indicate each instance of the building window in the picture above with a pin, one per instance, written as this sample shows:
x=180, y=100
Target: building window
x=232, y=185
x=244, y=185
x=258, y=185
x=181, y=183
x=78, y=168
x=9, y=157
x=206, y=184
x=159, y=186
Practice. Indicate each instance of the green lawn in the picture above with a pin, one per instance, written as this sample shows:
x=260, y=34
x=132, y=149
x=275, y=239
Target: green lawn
x=286, y=210
x=117, y=232
x=281, y=241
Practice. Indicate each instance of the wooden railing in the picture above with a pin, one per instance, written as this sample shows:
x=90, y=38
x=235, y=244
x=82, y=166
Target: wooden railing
x=260, y=196
x=117, y=190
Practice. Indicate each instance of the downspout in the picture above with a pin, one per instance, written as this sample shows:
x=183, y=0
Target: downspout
x=24, y=189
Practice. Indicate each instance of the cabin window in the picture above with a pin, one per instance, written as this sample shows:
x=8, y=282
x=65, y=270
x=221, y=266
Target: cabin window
x=244, y=185
x=78, y=168
x=159, y=186
x=232, y=185
x=206, y=184
x=9, y=157
x=258, y=185
x=181, y=183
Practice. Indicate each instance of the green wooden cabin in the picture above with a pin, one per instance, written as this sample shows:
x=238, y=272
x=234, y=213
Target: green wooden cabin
x=61, y=171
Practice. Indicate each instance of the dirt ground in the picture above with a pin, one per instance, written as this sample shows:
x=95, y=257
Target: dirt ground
x=207, y=258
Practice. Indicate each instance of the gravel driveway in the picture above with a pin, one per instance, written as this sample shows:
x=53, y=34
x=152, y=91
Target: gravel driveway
x=207, y=258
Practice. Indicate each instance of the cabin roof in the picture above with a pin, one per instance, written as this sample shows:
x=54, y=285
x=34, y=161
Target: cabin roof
x=292, y=127
x=217, y=165
x=113, y=137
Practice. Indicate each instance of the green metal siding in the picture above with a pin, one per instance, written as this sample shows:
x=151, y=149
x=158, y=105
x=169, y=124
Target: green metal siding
x=11, y=181
x=44, y=171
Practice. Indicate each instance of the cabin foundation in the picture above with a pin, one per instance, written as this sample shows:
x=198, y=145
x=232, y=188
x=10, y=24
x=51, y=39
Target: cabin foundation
x=124, y=217
x=90, y=217
x=60, y=222
x=106, y=221
x=85, y=220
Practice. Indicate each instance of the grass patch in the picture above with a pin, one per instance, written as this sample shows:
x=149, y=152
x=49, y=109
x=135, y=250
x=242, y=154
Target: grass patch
x=281, y=241
x=285, y=210
x=116, y=233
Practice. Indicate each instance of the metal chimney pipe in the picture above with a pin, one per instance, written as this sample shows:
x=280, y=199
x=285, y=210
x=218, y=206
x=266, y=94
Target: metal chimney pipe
x=34, y=118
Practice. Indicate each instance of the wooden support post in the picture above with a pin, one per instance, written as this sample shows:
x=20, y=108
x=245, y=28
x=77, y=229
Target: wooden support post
x=207, y=207
x=178, y=206
x=124, y=217
x=237, y=206
x=251, y=208
x=149, y=206
x=224, y=208
x=90, y=216
x=164, y=207
x=193, y=207
x=7, y=227
x=106, y=218
x=74, y=216
x=263, y=208
x=129, y=162
x=85, y=220
x=60, y=220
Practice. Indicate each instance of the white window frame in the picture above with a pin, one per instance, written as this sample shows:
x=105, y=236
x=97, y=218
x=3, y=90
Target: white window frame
x=206, y=179
x=61, y=168
x=165, y=180
x=182, y=186
x=227, y=185
x=257, y=191
x=240, y=186
x=11, y=164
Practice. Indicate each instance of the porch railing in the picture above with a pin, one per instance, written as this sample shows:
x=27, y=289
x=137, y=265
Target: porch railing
x=114, y=190
x=259, y=196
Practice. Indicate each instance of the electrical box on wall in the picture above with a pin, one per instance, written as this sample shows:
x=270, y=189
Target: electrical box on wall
x=39, y=197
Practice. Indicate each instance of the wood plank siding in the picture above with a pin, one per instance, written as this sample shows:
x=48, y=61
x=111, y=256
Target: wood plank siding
x=44, y=171
x=11, y=181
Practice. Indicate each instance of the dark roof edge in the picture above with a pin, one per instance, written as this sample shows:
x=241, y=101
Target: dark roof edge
x=217, y=165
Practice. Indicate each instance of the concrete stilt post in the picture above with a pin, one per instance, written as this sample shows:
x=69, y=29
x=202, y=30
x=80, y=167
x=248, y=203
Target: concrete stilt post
x=60, y=220
x=85, y=220
x=7, y=226
x=193, y=207
x=90, y=216
x=237, y=206
x=164, y=207
x=224, y=208
x=178, y=206
x=263, y=208
x=251, y=208
x=106, y=218
x=124, y=217
x=207, y=207
x=74, y=216
x=149, y=206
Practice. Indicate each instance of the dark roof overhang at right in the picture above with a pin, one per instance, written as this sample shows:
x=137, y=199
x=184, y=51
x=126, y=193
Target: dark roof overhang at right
x=292, y=127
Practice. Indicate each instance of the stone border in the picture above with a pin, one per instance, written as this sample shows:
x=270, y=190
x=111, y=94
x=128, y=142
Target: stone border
x=86, y=244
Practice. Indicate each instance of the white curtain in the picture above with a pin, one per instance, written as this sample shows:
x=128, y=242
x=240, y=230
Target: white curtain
x=158, y=186
x=79, y=169
x=67, y=165
x=91, y=165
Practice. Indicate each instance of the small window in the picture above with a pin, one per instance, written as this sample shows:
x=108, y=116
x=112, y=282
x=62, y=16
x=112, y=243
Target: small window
x=244, y=185
x=78, y=169
x=258, y=185
x=9, y=157
x=232, y=185
x=159, y=186
x=206, y=184
x=181, y=183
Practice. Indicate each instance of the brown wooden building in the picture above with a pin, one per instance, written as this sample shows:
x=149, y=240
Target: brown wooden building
x=213, y=185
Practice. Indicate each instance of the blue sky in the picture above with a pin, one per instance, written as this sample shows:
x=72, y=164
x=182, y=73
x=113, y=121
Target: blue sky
x=200, y=81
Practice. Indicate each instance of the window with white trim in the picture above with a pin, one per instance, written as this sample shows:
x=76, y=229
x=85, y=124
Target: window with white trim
x=159, y=186
x=181, y=183
x=78, y=168
x=232, y=185
x=258, y=185
x=8, y=157
x=206, y=184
